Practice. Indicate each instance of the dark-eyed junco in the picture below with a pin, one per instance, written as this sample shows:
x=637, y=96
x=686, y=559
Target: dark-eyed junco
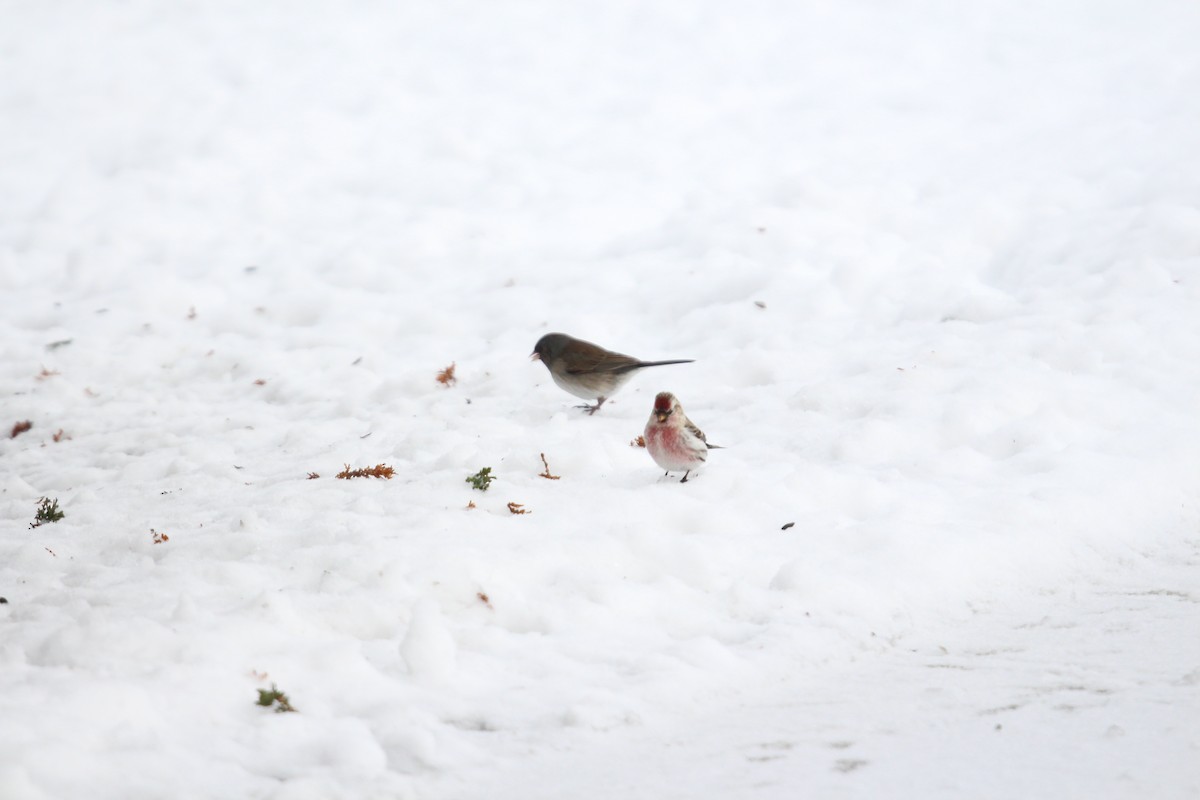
x=587, y=370
x=674, y=441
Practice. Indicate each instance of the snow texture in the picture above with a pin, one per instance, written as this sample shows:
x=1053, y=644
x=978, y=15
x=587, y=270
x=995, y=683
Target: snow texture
x=938, y=265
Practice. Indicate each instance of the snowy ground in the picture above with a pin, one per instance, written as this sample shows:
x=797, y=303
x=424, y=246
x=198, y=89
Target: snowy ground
x=939, y=267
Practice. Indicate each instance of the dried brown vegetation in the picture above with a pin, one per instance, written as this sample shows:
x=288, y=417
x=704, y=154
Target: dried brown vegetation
x=546, y=472
x=377, y=471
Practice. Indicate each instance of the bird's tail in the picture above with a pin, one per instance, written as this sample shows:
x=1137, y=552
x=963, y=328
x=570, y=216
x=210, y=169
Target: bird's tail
x=640, y=364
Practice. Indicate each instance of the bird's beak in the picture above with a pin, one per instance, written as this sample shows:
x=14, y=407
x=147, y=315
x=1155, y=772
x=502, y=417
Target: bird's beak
x=534, y=356
x=662, y=415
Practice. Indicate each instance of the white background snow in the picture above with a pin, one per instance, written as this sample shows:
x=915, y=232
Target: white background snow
x=938, y=264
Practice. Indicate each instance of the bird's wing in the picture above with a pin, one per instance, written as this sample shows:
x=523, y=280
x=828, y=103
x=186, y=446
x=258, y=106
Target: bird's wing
x=603, y=362
x=692, y=429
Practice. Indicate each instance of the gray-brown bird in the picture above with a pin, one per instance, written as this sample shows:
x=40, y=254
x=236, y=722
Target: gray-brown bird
x=587, y=370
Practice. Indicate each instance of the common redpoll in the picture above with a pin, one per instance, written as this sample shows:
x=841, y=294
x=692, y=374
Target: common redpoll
x=674, y=442
x=587, y=370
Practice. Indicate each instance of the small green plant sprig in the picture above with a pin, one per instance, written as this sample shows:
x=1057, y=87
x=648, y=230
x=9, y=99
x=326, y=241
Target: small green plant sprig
x=274, y=697
x=47, y=511
x=482, y=479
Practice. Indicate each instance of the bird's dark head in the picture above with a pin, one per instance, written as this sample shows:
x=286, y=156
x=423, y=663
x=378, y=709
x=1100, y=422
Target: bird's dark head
x=549, y=347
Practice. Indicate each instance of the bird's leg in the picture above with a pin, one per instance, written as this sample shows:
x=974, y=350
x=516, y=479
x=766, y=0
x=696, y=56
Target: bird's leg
x=593, y=409
x=684, y=478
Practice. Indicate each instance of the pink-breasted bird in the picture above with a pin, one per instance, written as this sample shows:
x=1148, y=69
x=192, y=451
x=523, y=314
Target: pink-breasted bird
x=674, y=442
x=587, y=370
